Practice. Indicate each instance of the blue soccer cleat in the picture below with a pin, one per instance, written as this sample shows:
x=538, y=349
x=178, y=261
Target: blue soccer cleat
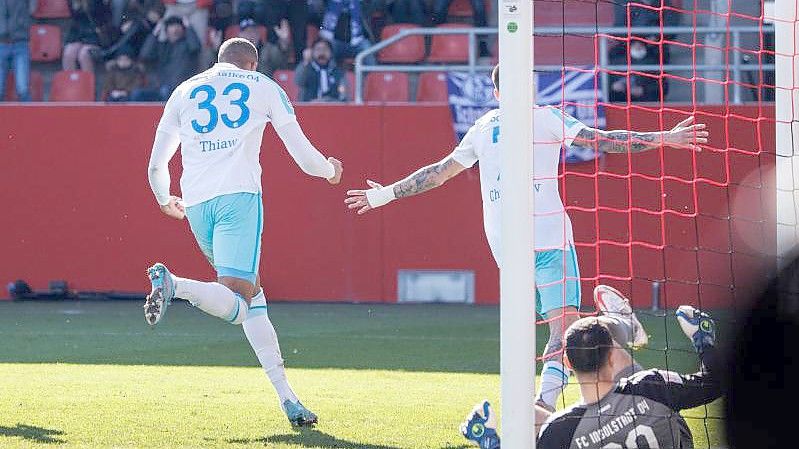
x=163, y=290
x=480, y=427
x=698, y=326
x=298, y=415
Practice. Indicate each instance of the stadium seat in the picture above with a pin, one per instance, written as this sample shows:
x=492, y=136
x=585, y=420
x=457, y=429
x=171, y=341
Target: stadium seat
x=285, y=78
x=233, y=31
x=72, y=85
x=432, y=87
x=36, y=87
x=45, y=43
x=408, y=50
x=386, y=86
x=463, y=8
x=574, y=13
x=52, y=9
x=450, y=47
x=570, y=50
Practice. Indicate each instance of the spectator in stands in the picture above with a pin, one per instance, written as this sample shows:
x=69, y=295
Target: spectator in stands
x=221, y=14
x=407, y=11
x=271, y=56
x=346, y=44
x=196, y=13
x=643, y=16
x=140, y=19
x=318, y=77
x=15, y=23
x=173, y=47
x=89, y=31
x=641, y=87
x=273, y=12
x=122, y=76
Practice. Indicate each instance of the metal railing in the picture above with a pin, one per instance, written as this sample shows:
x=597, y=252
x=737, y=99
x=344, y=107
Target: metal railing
x=737, y=66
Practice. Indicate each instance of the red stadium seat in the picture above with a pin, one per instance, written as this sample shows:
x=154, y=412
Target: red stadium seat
x=432, y=87
x=45, y=43
x=234, y=30
x=574, y=12
x=463, y=8
x=450, y=47
x=460, y=8
x=52, y=9
x=408, y=50
x=72, y=85
x=35, y=86
x=386, y=86
x=285, y=78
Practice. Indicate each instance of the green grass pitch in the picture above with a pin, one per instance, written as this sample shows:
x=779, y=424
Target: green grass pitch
x=93, y=375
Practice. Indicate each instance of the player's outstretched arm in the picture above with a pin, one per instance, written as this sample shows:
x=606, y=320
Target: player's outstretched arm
x=686, y=134
x=422, y=180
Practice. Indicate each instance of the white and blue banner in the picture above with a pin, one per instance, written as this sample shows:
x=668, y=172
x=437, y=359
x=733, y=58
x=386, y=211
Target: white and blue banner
x=471, y=96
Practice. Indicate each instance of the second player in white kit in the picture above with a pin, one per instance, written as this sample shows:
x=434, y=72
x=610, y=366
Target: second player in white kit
x=556, y=271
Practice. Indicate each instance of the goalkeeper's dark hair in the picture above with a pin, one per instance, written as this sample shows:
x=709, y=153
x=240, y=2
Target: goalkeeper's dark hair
x=588, y=344
x=238, y=51
x=495, y=76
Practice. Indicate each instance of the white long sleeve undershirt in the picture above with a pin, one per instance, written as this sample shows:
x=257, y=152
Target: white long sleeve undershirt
x=307, y=157
x=164, y=147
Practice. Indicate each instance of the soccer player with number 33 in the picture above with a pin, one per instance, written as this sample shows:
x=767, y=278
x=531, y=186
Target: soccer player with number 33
x=218, y=118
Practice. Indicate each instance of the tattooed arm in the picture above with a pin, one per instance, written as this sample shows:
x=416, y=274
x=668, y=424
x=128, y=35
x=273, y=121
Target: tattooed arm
x=427, y=178
x=685, y=134
x=422, y=180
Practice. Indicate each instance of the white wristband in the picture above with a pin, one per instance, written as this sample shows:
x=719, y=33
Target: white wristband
x=380, y=197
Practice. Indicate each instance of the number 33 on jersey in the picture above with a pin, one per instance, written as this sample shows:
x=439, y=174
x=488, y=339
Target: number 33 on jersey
x=220, y=115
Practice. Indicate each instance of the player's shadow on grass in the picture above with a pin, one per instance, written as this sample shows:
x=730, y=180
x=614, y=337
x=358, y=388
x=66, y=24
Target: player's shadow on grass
x=315, y=438
x=32, y=433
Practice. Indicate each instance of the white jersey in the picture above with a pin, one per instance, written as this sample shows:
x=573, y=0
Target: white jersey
x=220, y=116
x=553, y=130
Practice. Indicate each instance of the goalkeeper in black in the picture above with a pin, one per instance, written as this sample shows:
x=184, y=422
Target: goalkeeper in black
x=637, y=411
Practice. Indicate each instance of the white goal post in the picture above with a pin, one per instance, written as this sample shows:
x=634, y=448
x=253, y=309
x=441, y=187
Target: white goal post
x=786, y=38
x=517, y=302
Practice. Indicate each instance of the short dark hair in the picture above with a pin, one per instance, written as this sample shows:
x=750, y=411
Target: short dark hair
x=495, y=76
x=173, y=20
x=588, y=344
x=325, y=41
x=238, y=51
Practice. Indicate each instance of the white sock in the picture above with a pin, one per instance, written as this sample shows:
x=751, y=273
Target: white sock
x=212, y=298
x=263, y=339
x=554, y=378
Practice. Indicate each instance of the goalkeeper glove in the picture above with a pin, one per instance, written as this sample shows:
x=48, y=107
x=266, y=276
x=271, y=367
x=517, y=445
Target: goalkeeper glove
x=481, y=427
x=698, y=326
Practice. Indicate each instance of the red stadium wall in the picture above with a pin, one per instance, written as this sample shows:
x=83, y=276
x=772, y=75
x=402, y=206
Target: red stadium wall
x=78, y=206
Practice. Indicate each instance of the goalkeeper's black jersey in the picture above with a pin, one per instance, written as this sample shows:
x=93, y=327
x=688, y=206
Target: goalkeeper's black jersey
x=641, y=412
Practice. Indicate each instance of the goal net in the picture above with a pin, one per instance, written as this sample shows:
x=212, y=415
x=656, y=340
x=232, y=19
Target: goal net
x=675, y=226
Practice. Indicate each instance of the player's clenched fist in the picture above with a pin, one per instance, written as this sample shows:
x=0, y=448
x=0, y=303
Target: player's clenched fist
x=339, y=169
x=174, y=208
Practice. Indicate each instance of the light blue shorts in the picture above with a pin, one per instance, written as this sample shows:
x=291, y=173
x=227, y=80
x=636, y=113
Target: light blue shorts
x=228, y=229
x=557, y=280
